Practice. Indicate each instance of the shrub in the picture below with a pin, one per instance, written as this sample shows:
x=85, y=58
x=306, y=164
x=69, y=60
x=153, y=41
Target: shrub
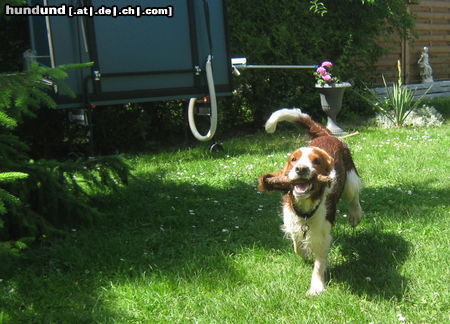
x=442, y=105
x=41, y=197
x=287, y=32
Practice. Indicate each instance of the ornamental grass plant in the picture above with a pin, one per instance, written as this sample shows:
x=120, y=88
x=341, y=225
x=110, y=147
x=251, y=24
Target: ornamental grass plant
x=399, y=102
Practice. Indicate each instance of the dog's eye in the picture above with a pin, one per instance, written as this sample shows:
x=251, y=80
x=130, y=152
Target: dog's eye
x=316, y=162
x=294, y=159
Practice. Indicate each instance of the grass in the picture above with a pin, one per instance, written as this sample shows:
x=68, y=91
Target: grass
x=190, y=240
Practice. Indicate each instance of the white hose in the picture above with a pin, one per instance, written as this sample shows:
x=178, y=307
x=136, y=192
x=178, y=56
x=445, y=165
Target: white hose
x=212, y=96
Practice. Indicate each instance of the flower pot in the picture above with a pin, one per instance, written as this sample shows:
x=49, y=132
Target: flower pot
x=331, y=100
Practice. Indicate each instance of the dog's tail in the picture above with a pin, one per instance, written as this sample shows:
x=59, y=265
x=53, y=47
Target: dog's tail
x=296, y=116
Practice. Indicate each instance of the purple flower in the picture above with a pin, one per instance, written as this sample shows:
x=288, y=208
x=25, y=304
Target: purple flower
x=322, y=71
x=323, y=74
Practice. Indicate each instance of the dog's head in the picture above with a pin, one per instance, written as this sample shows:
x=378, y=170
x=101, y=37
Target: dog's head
x=310, y=168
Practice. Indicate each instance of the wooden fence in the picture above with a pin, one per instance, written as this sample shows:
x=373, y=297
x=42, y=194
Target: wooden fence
x=432, y=19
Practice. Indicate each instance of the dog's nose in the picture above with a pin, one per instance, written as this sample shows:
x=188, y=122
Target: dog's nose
x=302, y=171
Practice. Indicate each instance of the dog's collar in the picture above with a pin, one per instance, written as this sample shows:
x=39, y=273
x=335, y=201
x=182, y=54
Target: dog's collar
x=304, y=215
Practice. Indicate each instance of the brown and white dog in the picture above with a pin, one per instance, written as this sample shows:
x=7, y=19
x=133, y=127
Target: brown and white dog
x=320, y=173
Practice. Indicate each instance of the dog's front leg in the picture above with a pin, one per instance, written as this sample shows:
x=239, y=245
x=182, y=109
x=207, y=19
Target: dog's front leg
x=320, y=249
x=318, y=276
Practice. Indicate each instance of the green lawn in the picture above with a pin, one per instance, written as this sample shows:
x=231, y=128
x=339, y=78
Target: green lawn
x=190, y=240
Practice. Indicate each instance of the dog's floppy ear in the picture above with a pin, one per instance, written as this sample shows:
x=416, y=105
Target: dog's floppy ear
x=327, y=162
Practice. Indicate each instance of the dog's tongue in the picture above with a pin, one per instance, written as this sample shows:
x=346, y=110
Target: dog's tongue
x=302, y=187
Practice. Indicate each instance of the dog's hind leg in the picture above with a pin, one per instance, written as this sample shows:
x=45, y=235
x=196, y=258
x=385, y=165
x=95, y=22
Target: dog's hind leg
x=352, y=188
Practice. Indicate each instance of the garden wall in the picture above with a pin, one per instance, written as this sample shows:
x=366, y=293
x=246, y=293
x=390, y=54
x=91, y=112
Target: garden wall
x=432, y=90
x=432, y=19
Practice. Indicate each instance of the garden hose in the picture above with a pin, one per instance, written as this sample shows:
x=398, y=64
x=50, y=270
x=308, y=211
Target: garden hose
x=212, y=95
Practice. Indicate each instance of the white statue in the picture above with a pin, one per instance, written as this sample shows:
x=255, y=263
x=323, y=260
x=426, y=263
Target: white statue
x=425, y=68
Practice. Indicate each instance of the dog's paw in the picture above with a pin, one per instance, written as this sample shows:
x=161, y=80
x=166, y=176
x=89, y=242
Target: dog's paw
x=355, y=214
x=317, y=287
x=314, y=291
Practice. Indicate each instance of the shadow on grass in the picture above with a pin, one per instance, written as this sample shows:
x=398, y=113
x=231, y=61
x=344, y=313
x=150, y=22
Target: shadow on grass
x=177, y=232
x=370, y=260
x=370, y=264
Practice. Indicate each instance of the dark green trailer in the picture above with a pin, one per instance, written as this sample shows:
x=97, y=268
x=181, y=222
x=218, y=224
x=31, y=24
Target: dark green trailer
x=142, y=50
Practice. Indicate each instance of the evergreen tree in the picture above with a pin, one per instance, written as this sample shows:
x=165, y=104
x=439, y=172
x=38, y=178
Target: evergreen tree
x=42, y=197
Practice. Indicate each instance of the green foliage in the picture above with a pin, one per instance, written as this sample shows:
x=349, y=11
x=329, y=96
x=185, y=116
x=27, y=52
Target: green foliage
x=40, y=197
x=287, y=32
x=6, y=197
x=442, y=104
x=135, y=127
x=21, y=93
x=6, y=121
x=318, y=7
x=9, y=177
x=57, y=194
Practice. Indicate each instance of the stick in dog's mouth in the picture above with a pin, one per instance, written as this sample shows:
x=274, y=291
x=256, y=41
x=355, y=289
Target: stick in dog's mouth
x=284, y=183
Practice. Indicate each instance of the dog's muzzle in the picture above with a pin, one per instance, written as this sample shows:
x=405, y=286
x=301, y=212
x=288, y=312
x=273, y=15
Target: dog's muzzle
x=303, y=172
